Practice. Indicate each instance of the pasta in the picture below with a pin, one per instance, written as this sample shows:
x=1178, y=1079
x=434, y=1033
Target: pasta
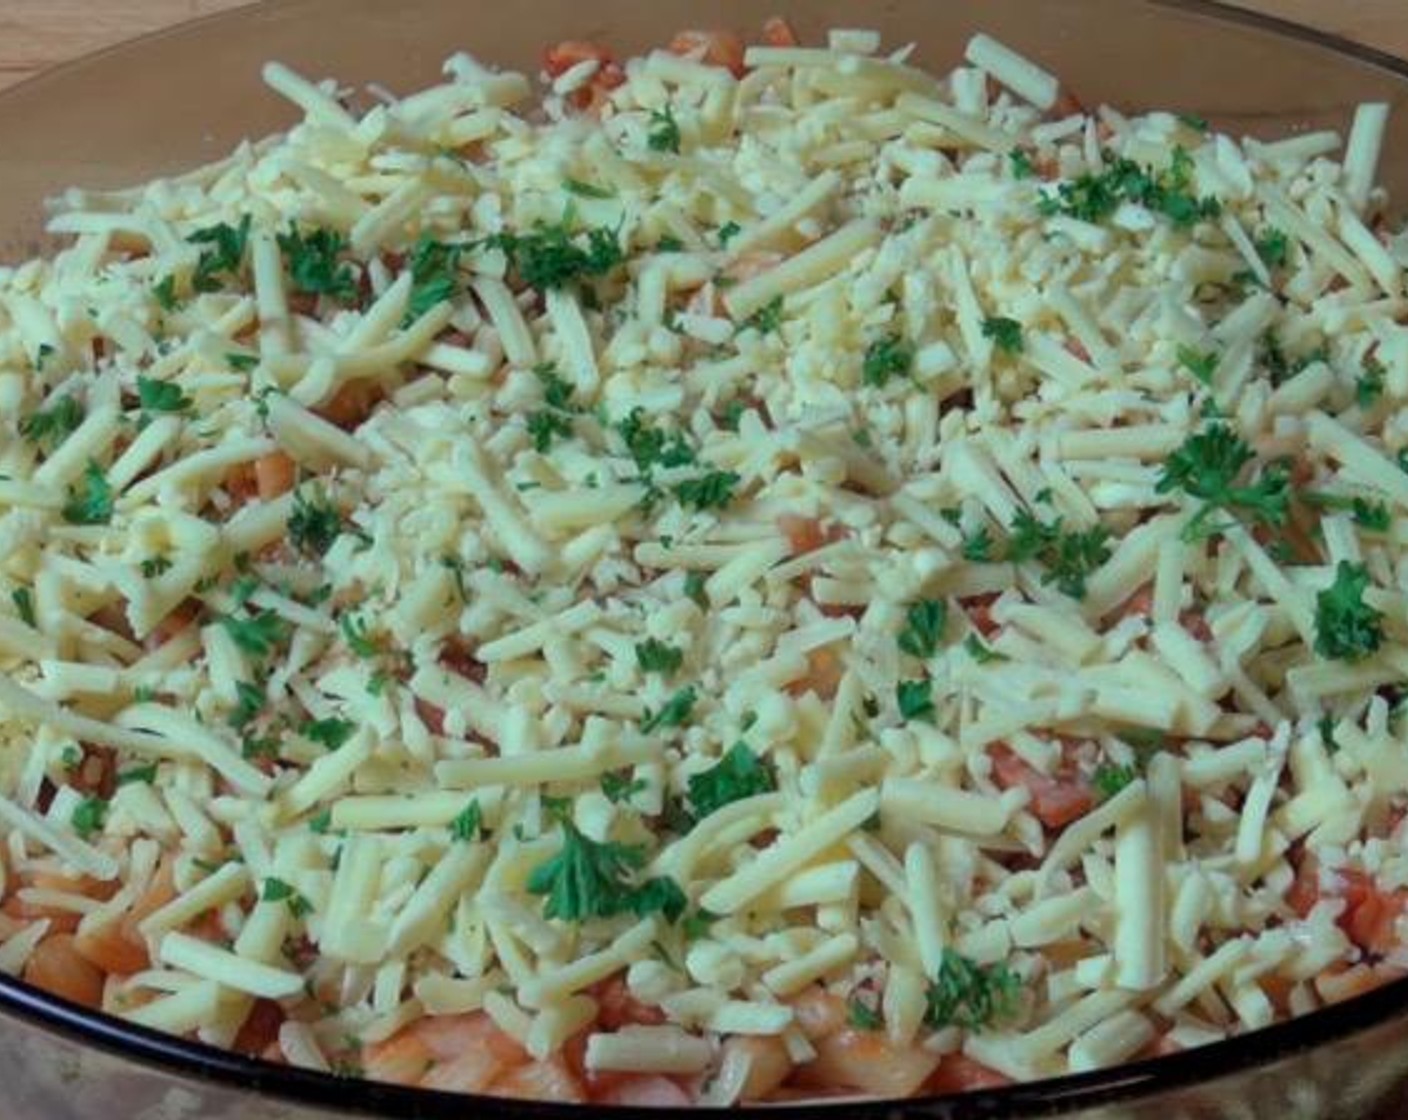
x=764, y=573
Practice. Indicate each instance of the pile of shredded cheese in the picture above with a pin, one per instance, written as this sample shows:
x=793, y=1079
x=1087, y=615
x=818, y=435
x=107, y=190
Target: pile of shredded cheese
x=754, y=474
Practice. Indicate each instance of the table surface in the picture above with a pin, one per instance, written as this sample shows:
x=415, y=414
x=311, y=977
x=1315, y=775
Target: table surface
x=35, y=34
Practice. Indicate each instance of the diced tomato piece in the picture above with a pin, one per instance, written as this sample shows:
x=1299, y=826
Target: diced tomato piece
x=561, y=58
x=716, y=48
x=960, y=1074
x=260, y=1029
x=1056, y=799
x=807, y=534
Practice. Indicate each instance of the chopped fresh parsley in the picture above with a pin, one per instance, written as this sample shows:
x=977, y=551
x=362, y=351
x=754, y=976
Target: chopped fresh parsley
x=23, y=598
x=916, y=699
x=923, y=627
x=653, y=447
x=1006, y=334
x=1282, y=367
x=434, y=275
x=225, y=253
x=257, y=634
x=619, y=787
x=1021, y=164
x=256, y=747
x=154, y=566
x=1346, y=627
x=331, y=732
x=276, y=890
x=320, y=822
x=89, y=816
x=1370, y=385
x=655, y=656
x=1273, y=247
x=767, y=319
x=586, y=190
x=668, y=243
x=981, y=653
x=1068, y=557
x=694, y=588
x=727, y=232
x=697, y=924
x=1202, y=364
x=161, y=396
x=355, y=633
x=1373, y=516
x=1207, y=466
x=664, y=134
x=977, y=547
x=315, y=264
x=1326, y=727
x=551, y=256
x=241, y=363
x=887, y=357
x=740, y=773
x=862, y=1016
x=590, y=879
x=144, y=774
x=249, y=702
x=49, y=427
x=165, y=292
x=673, y=713
x=1094, y=197
x=89, y=503
x=1109, y=779
x=713, y=490
x=468, y=824
x=545, y=425
x=970, y=995
x=315, y=522
x=1193, y=121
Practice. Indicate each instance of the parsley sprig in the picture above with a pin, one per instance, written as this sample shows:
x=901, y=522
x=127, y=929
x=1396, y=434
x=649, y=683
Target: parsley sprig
x=1346, y=627
x=971, y=995
x=592, y=879
x=90, y=502
x=1208, y=465
x=315, y=522
x=47, y=428
x=552, y=256
x=923, y=627
x=1068, y=557
x=664, y=134
x=1093, y=197
x=315, y=264
x=740, y=773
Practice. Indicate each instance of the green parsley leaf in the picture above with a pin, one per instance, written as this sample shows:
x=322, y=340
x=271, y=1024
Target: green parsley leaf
x=355, y=633
x=552, y=257
x=320, y=822
x=145, y=774
x=225, y=255
x=257, y=634
x=315, y=522
x=654, y=656
x=315, y=264
x=434, y=275
x=88, y=817
x=619, y=787
x=1193, y=121
x=674, y=713
x=916, y=699
x=977, y=548
x=276, y=890
x=587, y=879
x=165, y=292
x=1201, y=364
x=1109, y=779
x=653, y=447
x=1005, y=333
x=1067, y=557
x=49, y=427
x=1346, y=627
x=249, y=702
x=241, y=363
x=154, y=566
x=1370, y=385
x=586, y=190
x=740, y=773
x=923, y=627
x=1326, y=727
x=468, y=824
x=161, y=396
x=709, y=491
x=727, y=232
x=1207, y=466
x=1093, y=197
x=664, y=134
x=1373, y=516
x=696, y=925
x=887, y=357
x=694, y=588
x=331, y=732
x=1273, y=247
x=545, y=425
x=767, y=319
x=981, y=653
x=23, y=598
x=862, y=1016
x=1021, y=164
x=668, y=243
x=90, y=503
x=970, y=995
